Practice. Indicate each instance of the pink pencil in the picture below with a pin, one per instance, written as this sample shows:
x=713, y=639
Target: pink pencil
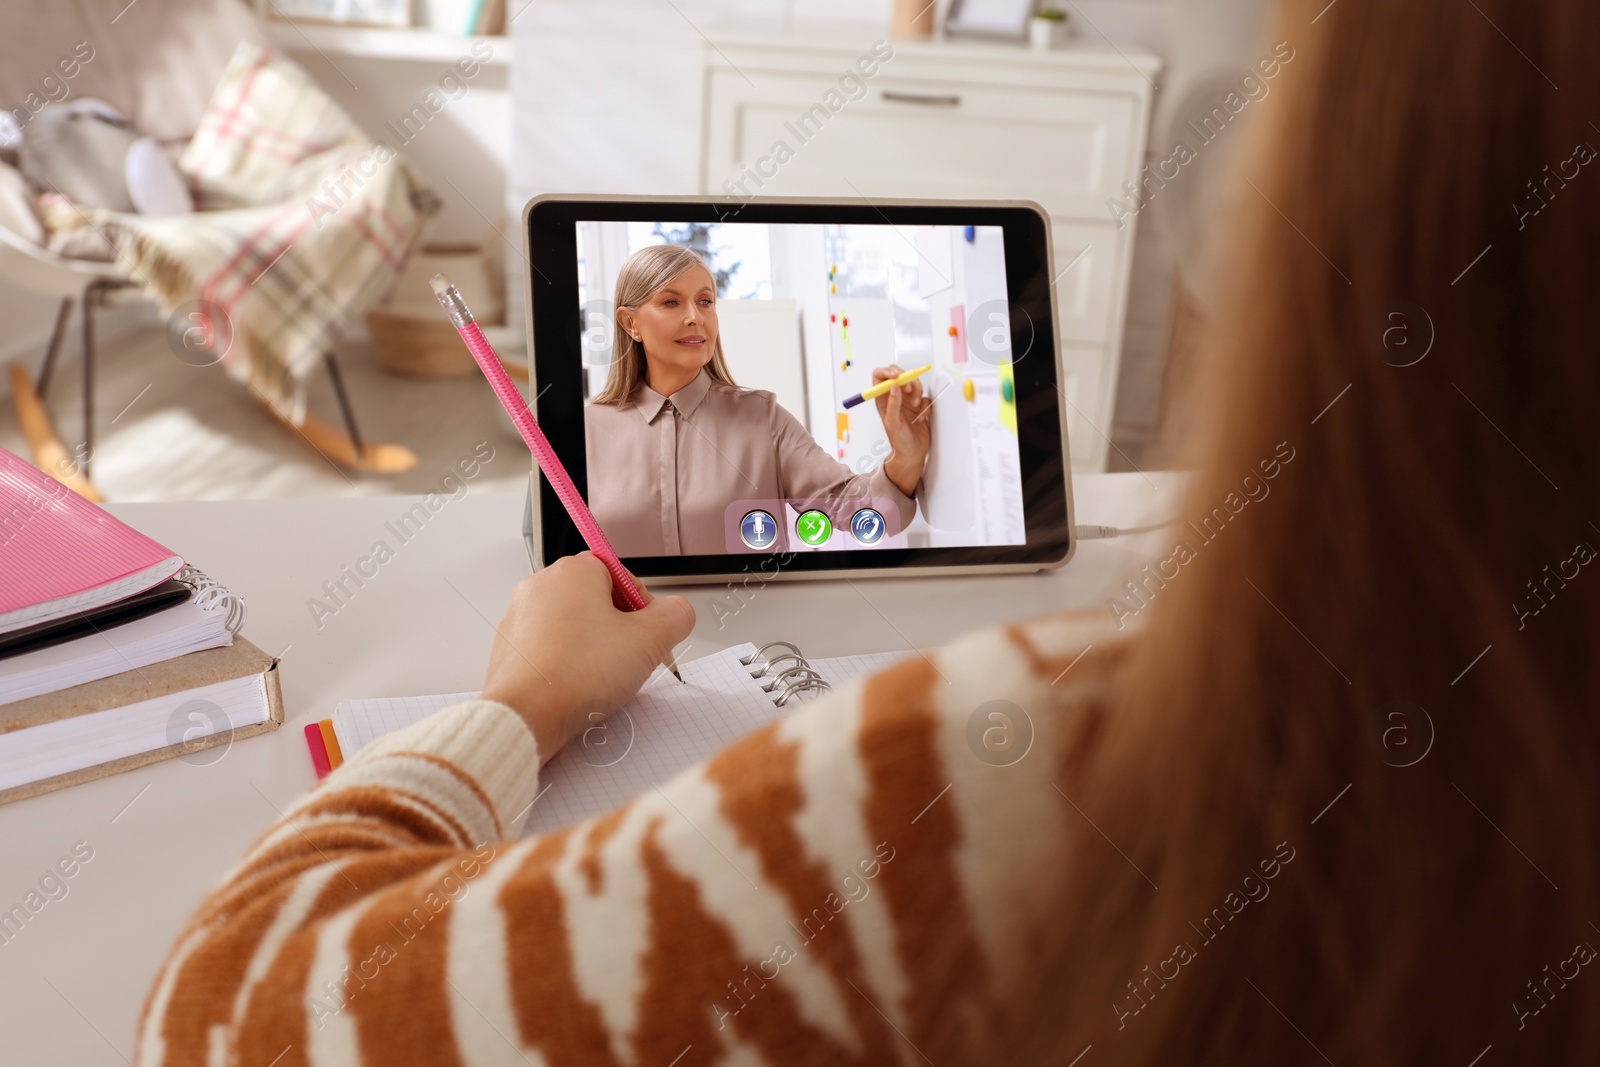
x=626, y=594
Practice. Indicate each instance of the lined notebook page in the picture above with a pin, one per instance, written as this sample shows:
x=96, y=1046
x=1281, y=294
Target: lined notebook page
x=665, y=729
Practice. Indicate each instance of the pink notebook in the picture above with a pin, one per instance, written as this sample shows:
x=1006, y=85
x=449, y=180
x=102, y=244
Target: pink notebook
x=60, y=554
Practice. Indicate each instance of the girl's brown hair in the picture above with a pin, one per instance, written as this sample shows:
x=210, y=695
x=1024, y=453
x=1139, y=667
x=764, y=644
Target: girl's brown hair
x=642, y=274
x=1387, y=666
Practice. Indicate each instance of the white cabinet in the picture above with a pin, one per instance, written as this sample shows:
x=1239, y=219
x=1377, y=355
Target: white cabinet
x=956, y=121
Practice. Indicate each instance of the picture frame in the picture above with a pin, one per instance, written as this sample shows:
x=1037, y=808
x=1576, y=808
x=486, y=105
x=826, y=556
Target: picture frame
x=1002, y=19
x=371, y=14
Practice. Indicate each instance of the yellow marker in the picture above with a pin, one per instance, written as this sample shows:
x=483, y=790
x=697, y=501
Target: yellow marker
x=875, y=391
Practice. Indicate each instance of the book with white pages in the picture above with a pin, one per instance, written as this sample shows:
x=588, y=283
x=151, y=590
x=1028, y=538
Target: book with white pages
x=189, y=707
x=208, y=619
x=666, y=728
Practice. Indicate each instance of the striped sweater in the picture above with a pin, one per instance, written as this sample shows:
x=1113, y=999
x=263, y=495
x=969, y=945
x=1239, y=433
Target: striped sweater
x=855, y=883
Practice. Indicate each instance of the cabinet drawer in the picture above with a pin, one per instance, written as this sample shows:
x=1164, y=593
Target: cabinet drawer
x=1069, y=150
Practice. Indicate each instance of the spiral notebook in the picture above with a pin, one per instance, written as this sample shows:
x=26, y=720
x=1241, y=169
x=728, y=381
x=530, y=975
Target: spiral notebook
x=206, y=615
x=667, y=728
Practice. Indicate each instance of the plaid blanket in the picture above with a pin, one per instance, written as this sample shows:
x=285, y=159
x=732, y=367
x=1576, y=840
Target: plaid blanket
x=302, y=224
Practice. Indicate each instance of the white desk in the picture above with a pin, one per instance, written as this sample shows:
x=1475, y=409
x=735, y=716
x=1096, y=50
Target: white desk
x=163, y=835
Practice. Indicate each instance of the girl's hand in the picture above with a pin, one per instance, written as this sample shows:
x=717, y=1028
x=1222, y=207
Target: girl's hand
x=564, y=657
x=905, y=413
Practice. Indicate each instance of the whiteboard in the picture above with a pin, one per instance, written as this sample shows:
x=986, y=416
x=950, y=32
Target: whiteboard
x=761, y=346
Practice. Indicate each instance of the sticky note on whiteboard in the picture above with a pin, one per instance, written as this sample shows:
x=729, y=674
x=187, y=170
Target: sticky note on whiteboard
x=958, y=333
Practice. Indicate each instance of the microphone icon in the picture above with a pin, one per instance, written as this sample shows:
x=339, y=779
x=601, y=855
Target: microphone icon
x=758, y=529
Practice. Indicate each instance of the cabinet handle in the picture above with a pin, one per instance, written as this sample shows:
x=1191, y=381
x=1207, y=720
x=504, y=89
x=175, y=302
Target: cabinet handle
x=925, y=99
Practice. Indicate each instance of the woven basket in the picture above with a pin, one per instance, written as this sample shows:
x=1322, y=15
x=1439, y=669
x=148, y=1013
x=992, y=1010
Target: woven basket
x=410, y=333
x=417, y=345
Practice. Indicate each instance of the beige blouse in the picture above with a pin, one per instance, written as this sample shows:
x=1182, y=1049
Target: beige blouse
x=663, y=470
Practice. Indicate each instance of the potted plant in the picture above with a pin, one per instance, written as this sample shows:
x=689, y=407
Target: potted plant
x=1048, y=27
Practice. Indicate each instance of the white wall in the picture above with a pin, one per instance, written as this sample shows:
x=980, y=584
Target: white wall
x=463, y=152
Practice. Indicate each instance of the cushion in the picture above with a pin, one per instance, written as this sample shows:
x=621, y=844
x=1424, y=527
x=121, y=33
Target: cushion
x=154, y=185
x=79, y=149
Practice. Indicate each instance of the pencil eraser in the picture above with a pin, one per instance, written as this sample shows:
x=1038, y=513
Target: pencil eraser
x=440, y=283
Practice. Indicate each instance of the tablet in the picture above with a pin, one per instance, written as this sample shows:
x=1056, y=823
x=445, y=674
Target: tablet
x=799, y=388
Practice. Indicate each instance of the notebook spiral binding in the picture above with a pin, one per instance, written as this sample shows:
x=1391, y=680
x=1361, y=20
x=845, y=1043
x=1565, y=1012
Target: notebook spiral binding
x=799, y=677
x=211, y=594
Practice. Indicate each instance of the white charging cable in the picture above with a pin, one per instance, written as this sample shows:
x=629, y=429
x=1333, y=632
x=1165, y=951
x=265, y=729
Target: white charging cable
x=1099, y=533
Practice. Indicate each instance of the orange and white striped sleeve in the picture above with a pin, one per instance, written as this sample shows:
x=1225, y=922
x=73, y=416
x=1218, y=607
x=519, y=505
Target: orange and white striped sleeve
x=846, y=885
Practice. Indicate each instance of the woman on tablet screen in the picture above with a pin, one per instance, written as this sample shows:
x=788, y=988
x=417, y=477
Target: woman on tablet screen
x=672, y=441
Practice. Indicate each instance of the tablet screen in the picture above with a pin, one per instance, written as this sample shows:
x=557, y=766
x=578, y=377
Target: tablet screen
x=740, y=386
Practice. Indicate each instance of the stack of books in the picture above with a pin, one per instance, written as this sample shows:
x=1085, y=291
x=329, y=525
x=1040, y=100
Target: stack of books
x=114, y=652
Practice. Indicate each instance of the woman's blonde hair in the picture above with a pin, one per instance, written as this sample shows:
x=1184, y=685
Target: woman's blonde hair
x=645, y=272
